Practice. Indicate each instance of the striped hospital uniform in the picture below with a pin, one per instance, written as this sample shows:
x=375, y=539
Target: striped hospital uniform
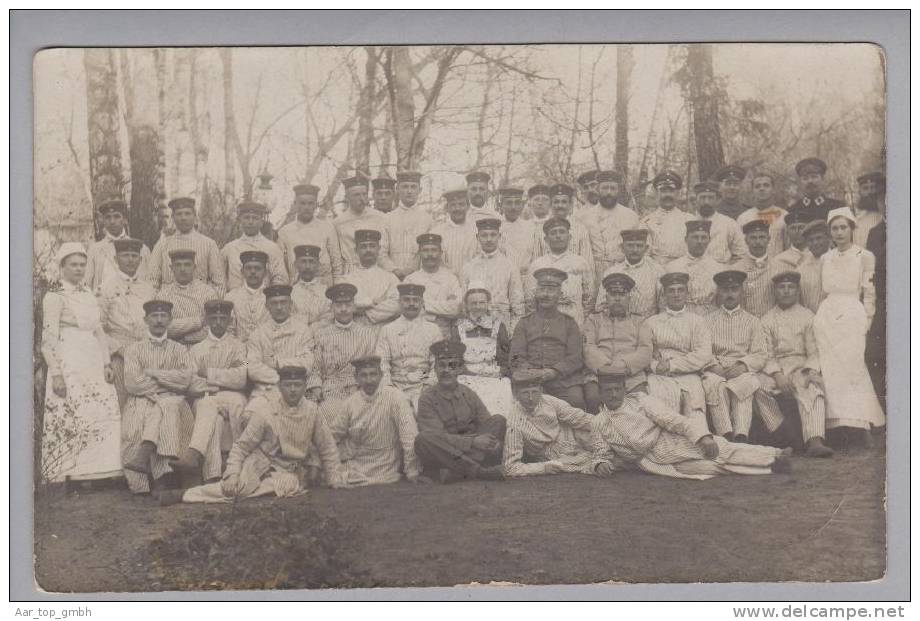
x=458, y=241
x=404, y=225
x=645, y=297
x=310, y=301
x=248, y=310
x=726, y=240
x=121, y=308
x=274, y=345
x=622, y=341
x=334, y=347
x=683, y=339
x=774, y=216
x=209, y=267
x=405, y=357
x=554, y=431
x=758, y=286
x=502, y=279
x=443, y=297
x=377, y=300
x=702, y=289
x=788, y=259
x=577, y=290
x=276, y=271
x=319, y=233
x=604, y=228
x=667, y=230
x=156, y=410
x=375, y=434
x=101, y=264
x=811, y=291
x=520, y=241
x=188, y=325
x=347, y=224
x=579, y=243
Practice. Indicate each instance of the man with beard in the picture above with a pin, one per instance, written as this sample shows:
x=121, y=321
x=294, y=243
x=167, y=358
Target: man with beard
x=758, y=289
x=814, y=201
x=477, y=188
x=699, y=266
x=667, y=223
x=383, y=189
x=100, y=258
x=248, y=300
x=458, y=232
x=377, y=301
x=818, y=238
x=442, y=288
x=519, y=240
x=357, y=217
x=645, y=299
x=766, y=209
x=730, y=179
x=869, y=206
x=492, y=268
x=609, y=219
x=580, y=242
x=726, y=241
x=406, y=223
x=539, y=203
x=307, y=230
x=251, y=216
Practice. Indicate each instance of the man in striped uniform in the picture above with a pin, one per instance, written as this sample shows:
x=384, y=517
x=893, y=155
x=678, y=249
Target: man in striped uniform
x=377, y=301
x=730, y=179
x=638, y=431
x=384, y=191
x=251, y=216
x=726, y=241
x=578, y=289
x=356, y=218
x=731, y=383
x=562, y=207
x=100, y=258
x=519, y=241
x=156, y=422
x=308, y=230
x=617, y=338
x=666, y=224
x=818, y=238
x=406, y=223
x=646, y=273
x=681, y=349
x=791, y=257
x=188, y=295
x=477, y=188
x=404, y=346
x=248, y=299
x=608, y=220
x=443, y=305
x=284, y=340
x=539, y=204
x=209, y=267
x=374, y=430
x=491, y=267
x=457, y=437
x=308, y=292
x=766, y=209
x=700, y=267
x=758, y=290
x=458, y=232
x=219, y=397
x=792, y=368
x=551, y=435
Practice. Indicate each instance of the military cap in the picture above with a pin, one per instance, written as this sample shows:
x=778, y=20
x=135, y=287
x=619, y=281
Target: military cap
x=251, y=207
x=587, y=177
x=181, y=253
x=618, y=281
x=292, y=373
x=810, y=164
x=342, y=292
x=115, y=204
x=447, y=349
x=510, y=191
x=253, y=256
x=562, y=188
x=814, y=226
x=550, y=276
x=182, y=202
x=455, y=193
x=478, y=175
x=488, y=224
x=306, y=250
x=429, y=239
x=634, y=234
x=356, y=181
x=527, y=377
x=698, y=225
x=405, y=288
x=275, y=291
x=539, y=189
x=798, y=216
x=755, y=225
x=668, y=178
x=706, y=186
x=127, y=244
x=876, y=176
x=672, y=278
x=365, y=361
x=608, y=175
x=306, y=188
x=366, y=235
x=729, y=278
x=383, y=183
x=609, y=373
x=409, y=175
x=157, y=306
x=553, y=222
x=787, y=276
x=730, y=172
x=218, y=307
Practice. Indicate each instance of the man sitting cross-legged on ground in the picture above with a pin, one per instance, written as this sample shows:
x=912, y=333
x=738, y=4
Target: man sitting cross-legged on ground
x=638, y=431
x=549, y=433
x=457, y=438
x=284, y=431
x=374, y=430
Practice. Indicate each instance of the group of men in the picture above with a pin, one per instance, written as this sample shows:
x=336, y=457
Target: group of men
x=330, y=354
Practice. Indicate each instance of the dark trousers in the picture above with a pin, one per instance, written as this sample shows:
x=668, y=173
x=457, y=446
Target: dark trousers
x=434, y=451
x=584, y=396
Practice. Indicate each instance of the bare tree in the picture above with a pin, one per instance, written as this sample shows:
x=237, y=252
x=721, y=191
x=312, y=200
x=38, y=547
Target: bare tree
x=366, y=113
x=226, y=59
x=624, y=78
x=703, y=97
x=103, y=125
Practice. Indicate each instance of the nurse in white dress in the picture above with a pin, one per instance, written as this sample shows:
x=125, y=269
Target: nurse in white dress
x=840, y=327
x=81, y=435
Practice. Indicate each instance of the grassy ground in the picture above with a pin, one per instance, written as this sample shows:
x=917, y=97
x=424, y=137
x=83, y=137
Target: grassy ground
x=824, y=522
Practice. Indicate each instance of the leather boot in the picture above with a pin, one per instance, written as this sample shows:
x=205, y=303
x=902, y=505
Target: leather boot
x=815, y=447
x=141, y=460
x=189, y=461
x=170, y=497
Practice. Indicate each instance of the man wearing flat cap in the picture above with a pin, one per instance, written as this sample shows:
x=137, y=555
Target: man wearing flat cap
x=457, y=436
x=739, y=348
x=792, y=256
x=209, y=267
x=730, y=179
x=443, y=303
x=814, y=201
x=539, y=203
x=580, y=238
x=767, y=209
x=100, y=257
x=609, y=218
x=251, y=217
x=817, y=236
x=359, y=217
x=477, y=187
x=550, y=342
x=404, y=345
x=699, y=265
x=457, y=232
x=384, y=191
x=377, y=301
x=645, y=296
x=248, y=299
x=666, y=224
x=309, y=293
x=587, y=186
x=758, y=290
x=519, y=237
x=188, y=295
x=306, y=229
x=618, y=338
x=490, y=266
x=544, y=435
x=578, y=289
x=406, y=223
x=726, y=241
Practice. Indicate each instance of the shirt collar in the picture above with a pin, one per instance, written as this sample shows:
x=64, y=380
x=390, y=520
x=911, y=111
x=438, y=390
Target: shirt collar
x=252, y=238
x=159, y=340
x=675, y=313
x=732, y=312
x=211, y=336
x=67, y=286
x=343, y=326
x=110, y=238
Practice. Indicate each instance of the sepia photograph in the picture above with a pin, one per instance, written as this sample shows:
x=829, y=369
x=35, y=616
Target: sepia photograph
x=361, y=316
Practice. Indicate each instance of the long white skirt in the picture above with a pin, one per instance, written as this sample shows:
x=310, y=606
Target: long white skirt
x=81, y=436
x=495, y=392
x=840, y=330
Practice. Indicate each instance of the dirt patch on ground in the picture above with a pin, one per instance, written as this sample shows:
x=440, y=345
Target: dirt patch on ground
x=824, y=522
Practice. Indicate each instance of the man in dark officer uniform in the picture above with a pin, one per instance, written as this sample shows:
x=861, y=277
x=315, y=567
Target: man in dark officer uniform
x=730, y=179
x=814, y=201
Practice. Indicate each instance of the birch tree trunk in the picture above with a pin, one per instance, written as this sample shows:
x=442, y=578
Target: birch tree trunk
x=402, y=104
x=621, y=111
x=366, y=112
x=226, y=58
